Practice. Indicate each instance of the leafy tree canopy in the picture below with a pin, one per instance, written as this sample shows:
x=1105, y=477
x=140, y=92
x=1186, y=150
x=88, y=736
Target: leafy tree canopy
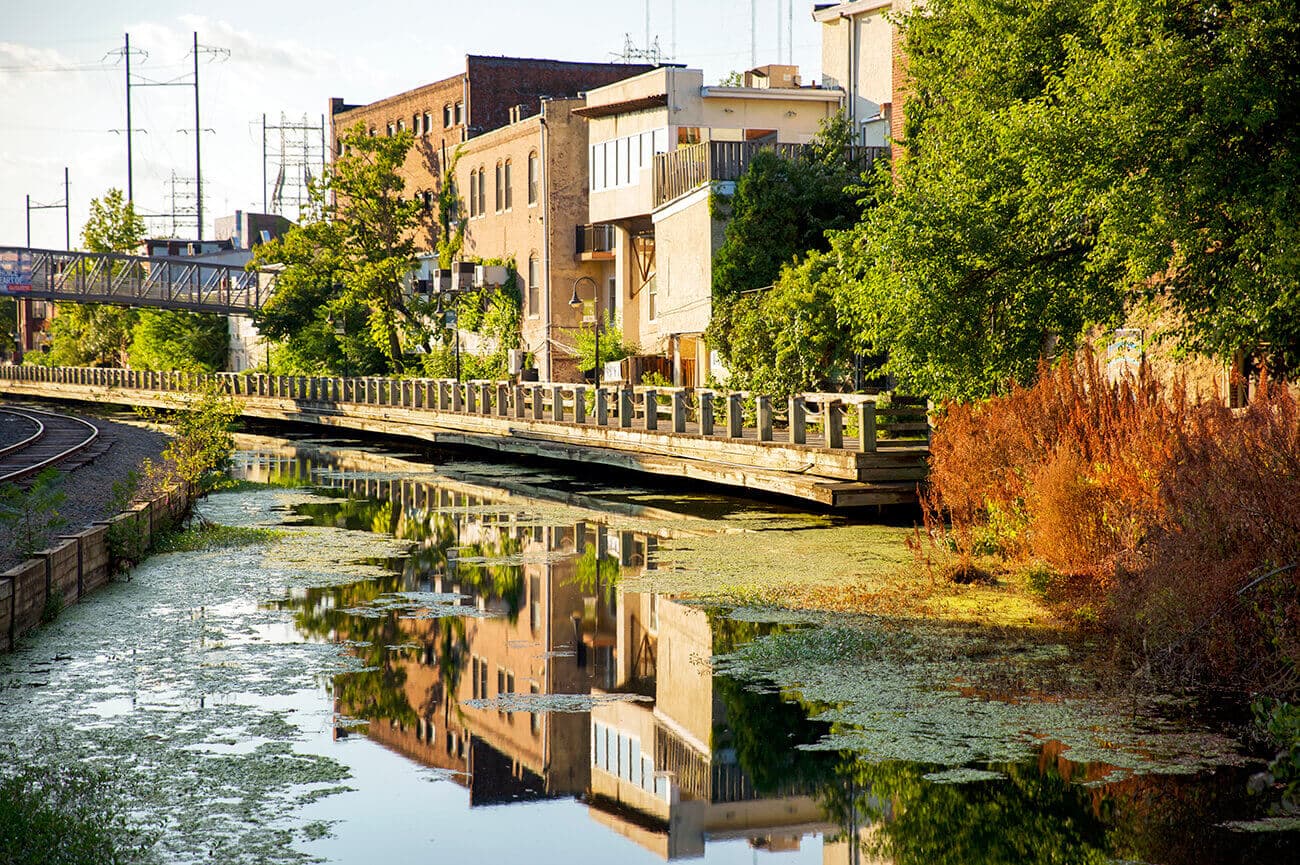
x=1066, y=159
x=193, y=342
x=341, y=299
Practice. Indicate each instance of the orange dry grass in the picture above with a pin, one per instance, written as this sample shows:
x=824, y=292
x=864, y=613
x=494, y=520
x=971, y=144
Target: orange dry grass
x=1156, y=507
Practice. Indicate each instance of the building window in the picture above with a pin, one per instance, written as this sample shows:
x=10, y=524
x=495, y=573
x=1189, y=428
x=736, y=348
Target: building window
x=534, y=285
x=401, y=126
x=460, y=113
x=473, y=194
x=428, y=122
x=390, y=130
x=482, y=190
x=500, y=188
x=534, y=170
x=416, y=126
x=447, y=115
x=651, y=296
x=535, y=722
x=372, y=132
x=509, y=186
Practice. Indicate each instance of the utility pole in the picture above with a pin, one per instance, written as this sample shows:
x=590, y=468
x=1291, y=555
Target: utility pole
x=198, y=137
x=753, y=33
x=67, y=219
x=130, y=182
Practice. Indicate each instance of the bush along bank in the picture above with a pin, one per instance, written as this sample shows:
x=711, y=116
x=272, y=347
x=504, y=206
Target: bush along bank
x=1169, y=523
x=158, y=497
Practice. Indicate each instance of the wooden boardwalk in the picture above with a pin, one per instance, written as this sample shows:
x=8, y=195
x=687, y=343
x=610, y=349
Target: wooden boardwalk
x=839, y=450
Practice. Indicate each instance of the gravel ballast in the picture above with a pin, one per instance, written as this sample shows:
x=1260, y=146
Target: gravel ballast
x=89, y=487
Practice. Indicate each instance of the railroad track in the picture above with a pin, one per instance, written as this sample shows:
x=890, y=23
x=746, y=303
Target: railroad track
x=58, y=437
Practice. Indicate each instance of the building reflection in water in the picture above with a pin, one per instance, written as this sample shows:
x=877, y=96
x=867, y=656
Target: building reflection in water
x=546, y=615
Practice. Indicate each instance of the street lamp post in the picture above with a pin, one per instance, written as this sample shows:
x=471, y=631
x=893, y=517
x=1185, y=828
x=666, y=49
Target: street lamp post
x=576, y=303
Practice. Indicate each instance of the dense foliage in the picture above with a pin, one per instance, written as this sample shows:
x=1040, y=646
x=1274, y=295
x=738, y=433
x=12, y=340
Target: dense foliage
x=342, y=302
x=794, y=335
x=1067, y=158
x=1174, y=522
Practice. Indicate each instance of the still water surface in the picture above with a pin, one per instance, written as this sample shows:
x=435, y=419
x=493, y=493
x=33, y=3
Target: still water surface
x=444, y=667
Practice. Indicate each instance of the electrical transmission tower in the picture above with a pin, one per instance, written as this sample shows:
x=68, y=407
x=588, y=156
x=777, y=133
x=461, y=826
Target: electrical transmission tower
x=299, y=161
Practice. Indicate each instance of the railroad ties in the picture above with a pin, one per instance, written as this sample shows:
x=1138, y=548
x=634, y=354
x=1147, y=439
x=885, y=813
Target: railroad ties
x=49, y=439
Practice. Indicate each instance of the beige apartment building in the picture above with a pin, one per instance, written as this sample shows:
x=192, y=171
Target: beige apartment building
x=863, y=56
x=659, y=145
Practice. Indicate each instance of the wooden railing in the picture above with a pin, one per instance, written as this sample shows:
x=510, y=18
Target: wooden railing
x=845, y=422
x=688, y=168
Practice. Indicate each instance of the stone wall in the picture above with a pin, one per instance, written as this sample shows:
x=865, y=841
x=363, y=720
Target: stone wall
x=78, y=564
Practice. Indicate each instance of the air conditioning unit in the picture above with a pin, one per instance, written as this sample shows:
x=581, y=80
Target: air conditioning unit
x=517, y=360
x=462, y=275
x=490, y=274
x=439, y=280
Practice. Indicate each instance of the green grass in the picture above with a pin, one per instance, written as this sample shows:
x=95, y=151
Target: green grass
x=211, y=536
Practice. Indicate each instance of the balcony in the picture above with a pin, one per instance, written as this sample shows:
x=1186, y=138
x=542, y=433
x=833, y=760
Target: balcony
x=688, y=168
x=594, y=242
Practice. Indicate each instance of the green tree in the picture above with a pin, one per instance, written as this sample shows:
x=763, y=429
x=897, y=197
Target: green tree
x=612, y=346
x=782, y=208
x=189, y=341
x=96, y=334
x=1068, y=159
x=351, y=267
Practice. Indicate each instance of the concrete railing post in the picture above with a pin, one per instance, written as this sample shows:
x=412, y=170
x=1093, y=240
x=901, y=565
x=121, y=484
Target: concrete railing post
x=706, y=413
x=735, y=416
x=834, y=424
x=557, y=402
x=626, y=407
x=579, y=404
x=679, y=411
x=798, y=421
x=763, y=405
x=866, y=427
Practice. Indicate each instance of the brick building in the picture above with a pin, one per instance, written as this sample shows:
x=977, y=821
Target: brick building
x=521, y=174
x=863, y=55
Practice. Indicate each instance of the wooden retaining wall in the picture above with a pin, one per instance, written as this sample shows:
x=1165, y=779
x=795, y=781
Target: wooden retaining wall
x=77, y=564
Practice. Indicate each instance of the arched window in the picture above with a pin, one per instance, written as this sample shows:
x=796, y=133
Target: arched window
x=446, y=116
x=482, y=190
x=500, y=187
x=473, y=194
x=509, y=187
x=533, y=177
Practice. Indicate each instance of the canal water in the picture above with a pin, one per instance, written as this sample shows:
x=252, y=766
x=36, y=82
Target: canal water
x=463, y=662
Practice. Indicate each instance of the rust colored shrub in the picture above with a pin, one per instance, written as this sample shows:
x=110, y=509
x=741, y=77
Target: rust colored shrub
x=1161, y=510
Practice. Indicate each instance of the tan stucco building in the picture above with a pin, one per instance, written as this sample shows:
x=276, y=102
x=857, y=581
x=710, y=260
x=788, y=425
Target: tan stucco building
x=659, y=144
x=862, y=55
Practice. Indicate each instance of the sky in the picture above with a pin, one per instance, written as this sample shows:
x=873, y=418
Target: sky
x=63, y=94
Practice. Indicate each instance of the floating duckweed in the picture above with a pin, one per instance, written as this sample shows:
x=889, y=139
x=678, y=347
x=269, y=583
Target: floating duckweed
x=963, y=776
x=1265, y=824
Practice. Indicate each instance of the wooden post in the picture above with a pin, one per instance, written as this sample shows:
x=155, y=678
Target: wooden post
x=735, y=416
x=626, y=407
x=706, y=413
x=456, y=404
x=579, y=404
x=651, y=409
x=798, y=421
x=471, y=398
x=602, y=407
x=518, y=396
x=444, y=397
x=866, y=427
x=485, y=397
x=535, y=392
x=764, y=405
x=834, y=424
x=503, y=399
x=679, y=411
x=430, y=394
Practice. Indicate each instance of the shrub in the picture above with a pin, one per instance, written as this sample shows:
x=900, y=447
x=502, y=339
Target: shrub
x=1175, y=520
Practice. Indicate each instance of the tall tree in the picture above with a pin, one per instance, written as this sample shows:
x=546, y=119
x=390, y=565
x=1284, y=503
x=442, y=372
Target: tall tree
x=356, y=258
x=95, y=334
x=1068, y=159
